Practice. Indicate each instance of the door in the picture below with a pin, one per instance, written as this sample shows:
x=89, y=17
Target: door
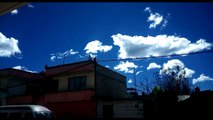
x=107, y=111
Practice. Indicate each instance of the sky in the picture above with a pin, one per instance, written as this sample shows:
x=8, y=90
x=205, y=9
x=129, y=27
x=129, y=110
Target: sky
x=65, y=32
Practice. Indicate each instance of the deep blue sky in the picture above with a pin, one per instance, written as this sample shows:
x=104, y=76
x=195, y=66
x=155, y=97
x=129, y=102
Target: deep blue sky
x=44, y=29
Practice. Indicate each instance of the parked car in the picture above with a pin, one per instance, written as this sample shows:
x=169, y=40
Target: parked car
x=35, y=112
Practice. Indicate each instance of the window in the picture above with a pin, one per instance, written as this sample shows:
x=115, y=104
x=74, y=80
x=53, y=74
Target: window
x=77, y=83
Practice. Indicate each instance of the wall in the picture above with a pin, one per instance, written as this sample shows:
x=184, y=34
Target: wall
x=69, y=96
x=122, y=108
x=3, y=91
x=64, y=79
x=75, y=104
x=18, y=86
x=73, y=110
x=19, y=100
x=9, y=84
x=110, y=83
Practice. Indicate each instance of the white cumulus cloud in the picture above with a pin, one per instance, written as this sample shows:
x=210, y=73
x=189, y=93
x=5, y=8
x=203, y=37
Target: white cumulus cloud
x=176, y=66
x=14, y=12
x=154, y=18
x=148, y=9
x=107, y=66
x=127, y=67
x=165, y=21
x=130, y=81
x=23, y=68
x=8, y=46
x=188, y=72
x=96, y=46
x=160, y=45
x=153, y=66
x=138, y=72
x=30, y=6
x=62, y=55
x=202, y=78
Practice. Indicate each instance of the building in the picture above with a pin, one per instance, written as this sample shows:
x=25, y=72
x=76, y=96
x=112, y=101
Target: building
x=18, y=83
x=74, y=85
x=120, y=108
x=69, y=90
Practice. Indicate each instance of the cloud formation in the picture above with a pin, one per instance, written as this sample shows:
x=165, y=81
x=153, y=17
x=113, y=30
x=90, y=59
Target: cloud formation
x=8, y=46
x=23, y=68
x=96, y=46
x=160, y=45
x=153, y=66
x=202, y=78
x=154, y=18
x=130, y=81
x=62, y=55
x=165, y=21
x=14, y=12
x=138, y=72
x=30, y=6
x=127, y=67
x=176, y=66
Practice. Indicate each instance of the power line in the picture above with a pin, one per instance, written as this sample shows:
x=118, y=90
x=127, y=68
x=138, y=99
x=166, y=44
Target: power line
x=112, y=60
x=150, y=57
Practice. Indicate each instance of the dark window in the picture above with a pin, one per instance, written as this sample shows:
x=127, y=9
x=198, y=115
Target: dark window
x=71, y=84
x=77, y=83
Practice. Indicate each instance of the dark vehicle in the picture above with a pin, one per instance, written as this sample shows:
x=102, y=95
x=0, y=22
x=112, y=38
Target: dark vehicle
x=29, y=112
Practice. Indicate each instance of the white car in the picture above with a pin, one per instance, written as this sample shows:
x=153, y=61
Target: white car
x=25, y=112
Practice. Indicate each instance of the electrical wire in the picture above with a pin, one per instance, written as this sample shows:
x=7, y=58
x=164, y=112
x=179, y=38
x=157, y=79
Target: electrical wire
x=152, y=57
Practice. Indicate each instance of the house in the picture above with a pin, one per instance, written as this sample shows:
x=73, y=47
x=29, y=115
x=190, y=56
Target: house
x=120, y=108
x=71, y=90
x=198, y=105
x=18, y=83
x=77, y=86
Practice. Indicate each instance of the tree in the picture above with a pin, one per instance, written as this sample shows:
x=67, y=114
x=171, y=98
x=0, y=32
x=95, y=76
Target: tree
x=174, y=77
x=146, y=85
x=171, y=80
